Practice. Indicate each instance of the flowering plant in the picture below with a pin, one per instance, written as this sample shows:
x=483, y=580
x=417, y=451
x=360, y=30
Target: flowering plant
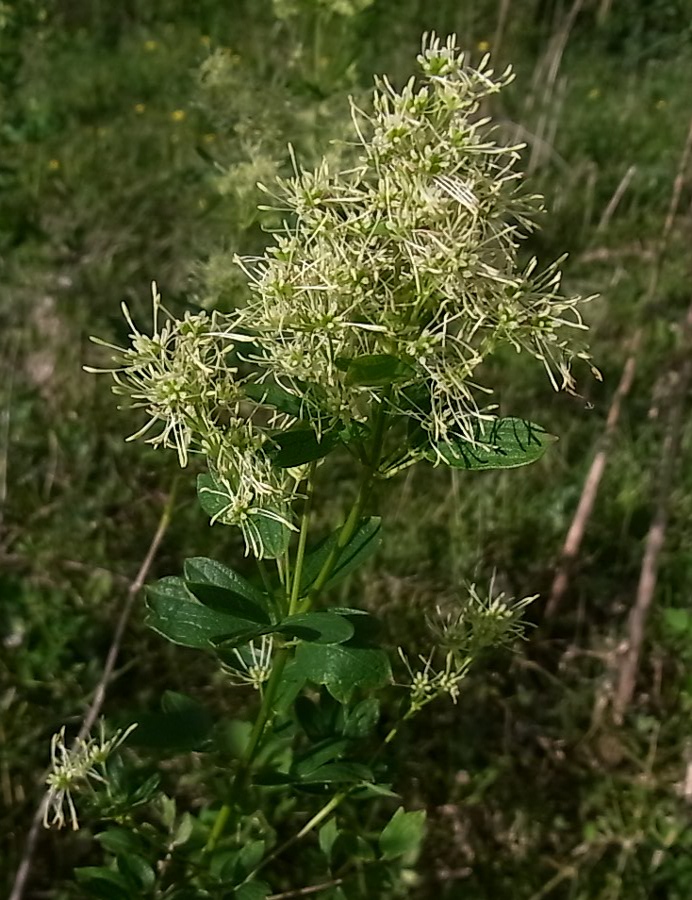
x=370, y=319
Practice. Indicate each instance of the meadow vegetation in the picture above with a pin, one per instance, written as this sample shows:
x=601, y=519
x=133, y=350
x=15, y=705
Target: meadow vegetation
x=132, y=140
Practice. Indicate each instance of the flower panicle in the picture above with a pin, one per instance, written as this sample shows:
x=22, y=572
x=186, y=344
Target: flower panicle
x=407, y=256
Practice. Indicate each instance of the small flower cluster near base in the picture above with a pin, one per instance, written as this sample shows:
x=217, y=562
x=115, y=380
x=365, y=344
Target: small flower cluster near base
x=73, y=770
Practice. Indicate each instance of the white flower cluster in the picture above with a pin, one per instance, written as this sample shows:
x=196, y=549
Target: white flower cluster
x=186, y=379
x=490, y=619
x=410, y=257
x=388, y=286
x=460, y=636
x=429, y=683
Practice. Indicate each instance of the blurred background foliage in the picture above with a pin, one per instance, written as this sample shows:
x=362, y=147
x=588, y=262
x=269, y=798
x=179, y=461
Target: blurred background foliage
x=132, y=138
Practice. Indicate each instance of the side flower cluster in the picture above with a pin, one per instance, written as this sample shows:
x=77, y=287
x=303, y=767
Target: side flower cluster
x=77, y=769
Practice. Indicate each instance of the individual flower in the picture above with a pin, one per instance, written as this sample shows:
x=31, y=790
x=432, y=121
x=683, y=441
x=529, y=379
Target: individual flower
x=74, y=770
x=252, y=663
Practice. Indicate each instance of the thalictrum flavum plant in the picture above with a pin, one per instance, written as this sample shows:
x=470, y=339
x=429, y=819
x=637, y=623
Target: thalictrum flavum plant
x=370, y=318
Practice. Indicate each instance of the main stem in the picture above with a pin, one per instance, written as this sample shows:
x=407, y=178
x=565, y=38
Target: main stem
x=283, y=654
x=353, y=519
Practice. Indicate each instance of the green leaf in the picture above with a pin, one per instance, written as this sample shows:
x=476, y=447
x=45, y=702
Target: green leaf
x=229, y=602
x=326, y=836
x=274, y=535
x=350, y=847
x=233, y=737
x=120, y=840
x=253, y=890
x=319, y=627
x=183, y=725
x=298, y=446
x=374, y=369
x=223, y=864
x=173, y=613
x=212, y=496
x=250, y=856
x=318, y=720
x=403, y=834
x=365, y=541
x=138, y=870
x=502, y=444
x=361, y=720
x=338, y=773
x=677, y=620
x=183, y=832
x=209, y=571
x=167, y=811
x=293, y=681
x=373, y=792
x=366, y=627
x=344, y=668
x=273, y=395
x=104, y=884
x=325, y=752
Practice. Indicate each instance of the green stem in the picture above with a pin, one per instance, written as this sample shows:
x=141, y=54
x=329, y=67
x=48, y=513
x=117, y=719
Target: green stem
x=349, y=527
x=316, y=820
x=282, y=656
x=272, y=687
x=302, y=542
x=263, y=715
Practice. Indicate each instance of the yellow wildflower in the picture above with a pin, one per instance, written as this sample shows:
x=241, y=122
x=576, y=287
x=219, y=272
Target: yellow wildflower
x=594, y=93
x=149, y=46
x=209, y=138
x=205, y=40
x=661, y=104
x=53, y=165
x=483, y=46
x=178, y=115
x=139, y=108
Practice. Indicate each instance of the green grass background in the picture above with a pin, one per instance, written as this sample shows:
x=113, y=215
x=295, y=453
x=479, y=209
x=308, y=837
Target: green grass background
x=132, y=136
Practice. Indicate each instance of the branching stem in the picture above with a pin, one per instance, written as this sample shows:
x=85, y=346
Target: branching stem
x=283, y=655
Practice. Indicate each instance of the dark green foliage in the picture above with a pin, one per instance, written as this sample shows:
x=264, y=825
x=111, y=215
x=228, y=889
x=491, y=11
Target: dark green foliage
x=501, y=444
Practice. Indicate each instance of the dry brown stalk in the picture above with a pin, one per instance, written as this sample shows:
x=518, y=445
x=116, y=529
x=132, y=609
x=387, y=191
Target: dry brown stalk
x=96, y=704
x=615, y=199
x=545, y=75
x=500, y=27
x=307, y=891
x=575, y=534
x=655, y=539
